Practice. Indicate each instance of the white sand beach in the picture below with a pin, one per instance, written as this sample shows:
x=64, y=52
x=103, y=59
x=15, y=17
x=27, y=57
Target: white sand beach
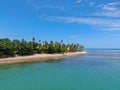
x=37, y=57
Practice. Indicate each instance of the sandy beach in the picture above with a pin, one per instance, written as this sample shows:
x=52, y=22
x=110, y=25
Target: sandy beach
x=36, y=57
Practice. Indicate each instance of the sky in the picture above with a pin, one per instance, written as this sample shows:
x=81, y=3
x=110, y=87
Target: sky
x=92, y=23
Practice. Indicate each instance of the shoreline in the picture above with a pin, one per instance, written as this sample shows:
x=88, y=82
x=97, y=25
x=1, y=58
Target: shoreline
x=37, y=57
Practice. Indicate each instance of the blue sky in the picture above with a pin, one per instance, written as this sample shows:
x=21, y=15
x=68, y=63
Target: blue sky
x=93, y=23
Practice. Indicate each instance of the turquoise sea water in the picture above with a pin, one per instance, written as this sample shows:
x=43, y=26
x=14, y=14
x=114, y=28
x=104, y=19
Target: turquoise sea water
x=98, y=70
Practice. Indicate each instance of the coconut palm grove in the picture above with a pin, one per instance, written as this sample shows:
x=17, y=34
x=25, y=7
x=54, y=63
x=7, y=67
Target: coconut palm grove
x=10, y=48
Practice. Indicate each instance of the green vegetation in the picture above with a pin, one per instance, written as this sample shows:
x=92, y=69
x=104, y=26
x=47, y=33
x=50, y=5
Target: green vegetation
x=10, y=48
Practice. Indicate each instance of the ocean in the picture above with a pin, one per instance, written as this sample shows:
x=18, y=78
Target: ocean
x=97, y=70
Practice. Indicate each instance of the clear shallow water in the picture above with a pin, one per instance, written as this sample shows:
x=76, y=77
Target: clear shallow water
x=98, y=70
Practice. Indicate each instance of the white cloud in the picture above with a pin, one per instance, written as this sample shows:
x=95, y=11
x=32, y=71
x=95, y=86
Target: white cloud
x=92, y=4
x=113, y=3
x=103, y=24
x=38, y=6
x=54, y=7
x=78, y=1
x=109, y=10
x=111, y=28
x=110, y=6
x=114, y=14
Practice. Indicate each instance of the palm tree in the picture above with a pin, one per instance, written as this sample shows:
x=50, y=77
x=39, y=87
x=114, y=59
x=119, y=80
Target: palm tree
x=22, y=47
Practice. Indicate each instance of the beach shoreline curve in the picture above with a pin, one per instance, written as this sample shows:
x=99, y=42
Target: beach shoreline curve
x=37, y=57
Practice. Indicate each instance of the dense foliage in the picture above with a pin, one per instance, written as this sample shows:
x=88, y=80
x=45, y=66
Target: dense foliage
x=10, y=48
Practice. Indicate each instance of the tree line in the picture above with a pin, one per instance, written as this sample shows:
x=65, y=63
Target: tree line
x=10, y=48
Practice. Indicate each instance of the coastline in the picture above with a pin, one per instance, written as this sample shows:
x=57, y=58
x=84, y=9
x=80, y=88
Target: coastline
x=37, y=57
